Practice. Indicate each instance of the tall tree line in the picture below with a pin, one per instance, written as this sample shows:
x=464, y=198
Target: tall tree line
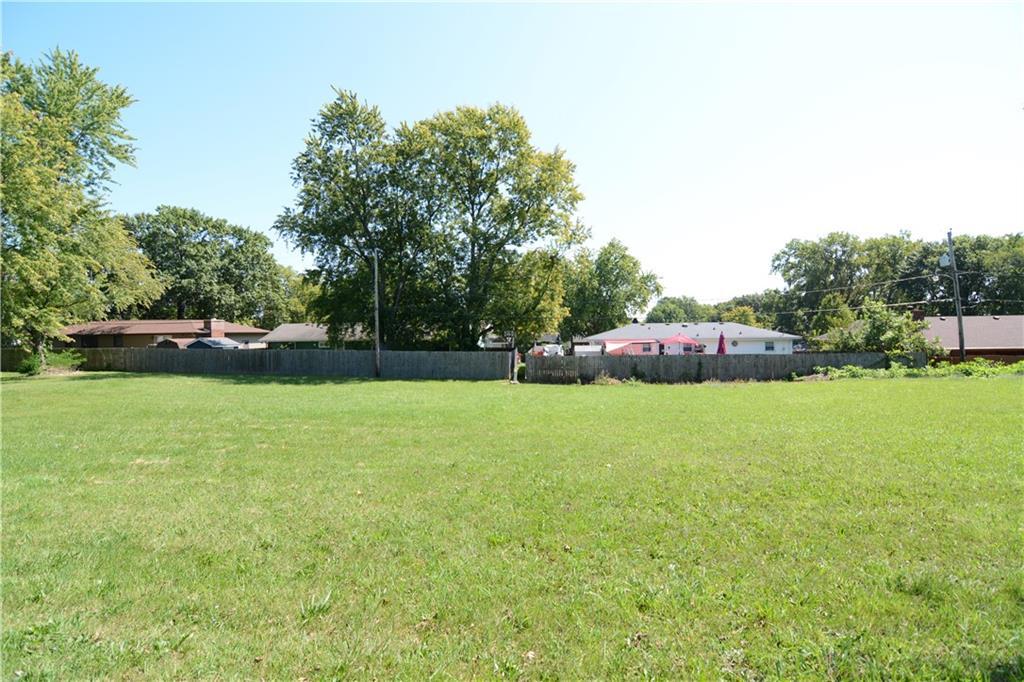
x=828, y=280
x=212, y=268
x=472, y=227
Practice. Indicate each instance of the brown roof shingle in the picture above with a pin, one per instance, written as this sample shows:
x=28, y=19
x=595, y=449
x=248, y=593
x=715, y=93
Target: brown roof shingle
x=980, y=331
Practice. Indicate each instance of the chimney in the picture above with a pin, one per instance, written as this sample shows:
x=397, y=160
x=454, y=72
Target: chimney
x=917, y=314
x=216, y=327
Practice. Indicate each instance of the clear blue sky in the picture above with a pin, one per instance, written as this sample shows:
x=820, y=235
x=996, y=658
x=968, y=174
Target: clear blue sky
x=705, y=136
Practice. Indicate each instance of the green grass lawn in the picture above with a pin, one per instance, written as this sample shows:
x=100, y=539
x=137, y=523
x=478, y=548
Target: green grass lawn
x=162, y=526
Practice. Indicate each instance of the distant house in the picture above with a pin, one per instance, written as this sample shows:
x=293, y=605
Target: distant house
x=996, y=337
x=632, y=347
x=143, y=333
x=180, y=343
x=213, y=343
x=653, y=339
x=297, y=335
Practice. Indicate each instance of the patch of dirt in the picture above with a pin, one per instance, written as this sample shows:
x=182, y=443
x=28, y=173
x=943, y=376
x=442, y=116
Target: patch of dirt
x=813, y=377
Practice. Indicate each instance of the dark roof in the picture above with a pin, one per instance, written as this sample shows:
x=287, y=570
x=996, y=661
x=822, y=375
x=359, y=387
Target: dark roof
x=155, y=327
x=980, y=331
x=297, y=332
x=214, y=342
x=701, y=331
x=179, y=342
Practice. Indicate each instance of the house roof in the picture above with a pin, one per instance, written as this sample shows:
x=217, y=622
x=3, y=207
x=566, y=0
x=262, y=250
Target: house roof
x=701, y=331
x=980, y=331
x=297, y=332
x=680, y=338
x=180, y=342
x=154, y=327
x=214, y=342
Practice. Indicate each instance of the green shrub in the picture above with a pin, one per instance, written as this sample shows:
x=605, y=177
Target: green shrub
x=69, y=359
x=979, y=367
x=521, y=372
x=65, y=360
x=30, y=365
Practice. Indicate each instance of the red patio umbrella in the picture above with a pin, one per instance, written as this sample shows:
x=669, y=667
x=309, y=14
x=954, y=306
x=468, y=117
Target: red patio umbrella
x=680, y=338
x=721, y=343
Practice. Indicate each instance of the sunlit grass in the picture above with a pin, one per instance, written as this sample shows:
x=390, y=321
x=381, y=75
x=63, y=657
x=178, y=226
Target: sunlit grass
x=160, y=526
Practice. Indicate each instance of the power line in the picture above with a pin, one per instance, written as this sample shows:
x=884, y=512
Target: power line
x=868, y=285
x=894, y=305
x=857, y=307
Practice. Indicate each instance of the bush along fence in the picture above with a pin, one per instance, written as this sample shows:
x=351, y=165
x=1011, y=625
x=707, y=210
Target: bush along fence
x=676, y=369
x=473, y=365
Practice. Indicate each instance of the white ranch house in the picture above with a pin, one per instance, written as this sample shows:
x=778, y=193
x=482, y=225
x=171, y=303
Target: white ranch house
x=740, y=339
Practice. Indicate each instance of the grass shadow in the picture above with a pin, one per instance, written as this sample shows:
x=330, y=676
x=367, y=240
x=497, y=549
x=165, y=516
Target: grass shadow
x=1008, y=671
x=241, y=379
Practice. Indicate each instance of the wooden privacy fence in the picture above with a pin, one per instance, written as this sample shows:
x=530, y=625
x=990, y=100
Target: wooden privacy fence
x=675, y=369
x=336, y=363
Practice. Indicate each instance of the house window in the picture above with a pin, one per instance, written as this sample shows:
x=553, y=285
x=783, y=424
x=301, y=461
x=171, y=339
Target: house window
x=647, y=348
x=769, y=346
x=118, y=341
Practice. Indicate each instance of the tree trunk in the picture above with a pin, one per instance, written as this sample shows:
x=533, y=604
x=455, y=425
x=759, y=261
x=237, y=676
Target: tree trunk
x=181, y=309
x=39, y=348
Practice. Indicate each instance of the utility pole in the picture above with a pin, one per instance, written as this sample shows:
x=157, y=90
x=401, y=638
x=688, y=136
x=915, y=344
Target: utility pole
x=376, y=317
x=514, y=379
x=956, y=296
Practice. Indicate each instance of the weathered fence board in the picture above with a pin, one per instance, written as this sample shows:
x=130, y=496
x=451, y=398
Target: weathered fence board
x=337, y=363
x=693, y=368
x=10, y=358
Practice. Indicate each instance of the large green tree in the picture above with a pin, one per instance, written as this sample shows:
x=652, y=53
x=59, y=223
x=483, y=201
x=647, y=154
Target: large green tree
x=500, y=198
x=65, y=258
x=211, y=268
x=467, y=220
x=363, y=191
x=605, y=291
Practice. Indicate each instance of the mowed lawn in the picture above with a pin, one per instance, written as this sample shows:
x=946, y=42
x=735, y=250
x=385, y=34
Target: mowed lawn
x=187, y=527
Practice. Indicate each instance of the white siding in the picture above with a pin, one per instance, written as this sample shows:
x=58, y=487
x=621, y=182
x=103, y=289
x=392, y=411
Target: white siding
x=749, y=346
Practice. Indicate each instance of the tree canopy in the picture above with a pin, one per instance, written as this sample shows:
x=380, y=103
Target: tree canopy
x=467, y=218
x=211, y=268
x=65, y=258
x=829, y=279
x=879, y=328
x=606, y=290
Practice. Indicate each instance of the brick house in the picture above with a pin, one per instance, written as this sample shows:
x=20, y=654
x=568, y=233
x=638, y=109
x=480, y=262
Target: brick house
x=145, y=333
